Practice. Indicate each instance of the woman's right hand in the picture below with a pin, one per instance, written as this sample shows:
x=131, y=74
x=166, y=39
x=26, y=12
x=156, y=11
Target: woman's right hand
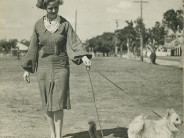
x=26, y=76
x=86, y=62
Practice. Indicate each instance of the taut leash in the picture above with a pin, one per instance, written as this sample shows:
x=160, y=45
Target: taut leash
x=94, y=101
x=130, y=96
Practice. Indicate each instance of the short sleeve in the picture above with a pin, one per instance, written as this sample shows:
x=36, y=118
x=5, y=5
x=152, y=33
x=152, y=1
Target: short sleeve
x=29, y=61
x=75, y=48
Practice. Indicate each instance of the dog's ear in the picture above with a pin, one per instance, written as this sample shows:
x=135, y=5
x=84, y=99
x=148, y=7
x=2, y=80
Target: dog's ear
x=172, y=110
x=168, y=113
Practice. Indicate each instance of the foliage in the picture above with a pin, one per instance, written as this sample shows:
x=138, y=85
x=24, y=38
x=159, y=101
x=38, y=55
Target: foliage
x=5, y=46
x=141, y=29
x=156, y=38
x=127, y=36
x=103, y=43
x=173, y=20
x=13, y=42
x=157, y=35
x=106, y=41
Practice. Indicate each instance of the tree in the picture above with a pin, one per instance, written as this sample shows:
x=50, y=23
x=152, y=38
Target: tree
x=126, y=37
x=93, y=43
x=141, y=31
x=173, y=20
x=5, y=46
x=121, y=40
x=13, y=43
x=106, y=43
x=156, y=37
x=102, y=43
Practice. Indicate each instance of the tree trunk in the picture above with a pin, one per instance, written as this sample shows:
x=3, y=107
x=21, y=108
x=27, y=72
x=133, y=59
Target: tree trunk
x=153, y=57
x=121, y=51
x=103, y=54
x=95, y=53
x=18, y=54
x=107, y=54
x=128, y=49
x=182, y=57
x=134, y=55
x=153, y=54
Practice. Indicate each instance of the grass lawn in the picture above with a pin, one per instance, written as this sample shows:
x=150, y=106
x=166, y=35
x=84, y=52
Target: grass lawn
x=158, y=87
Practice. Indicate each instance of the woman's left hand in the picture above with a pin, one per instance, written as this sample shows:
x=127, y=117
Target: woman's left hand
x=86, y=61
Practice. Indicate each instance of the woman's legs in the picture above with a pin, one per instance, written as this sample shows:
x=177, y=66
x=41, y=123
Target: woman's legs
x=50, y=120
x=55, y=121
x=58, y=121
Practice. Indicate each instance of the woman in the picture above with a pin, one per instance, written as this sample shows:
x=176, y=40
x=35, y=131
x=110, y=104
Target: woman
x=53, y=43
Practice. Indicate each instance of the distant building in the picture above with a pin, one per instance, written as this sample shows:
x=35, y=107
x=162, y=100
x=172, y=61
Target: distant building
x=161, y=51
x=175, y=46
x=174, y=43
x=172, y=47
x=20, y=48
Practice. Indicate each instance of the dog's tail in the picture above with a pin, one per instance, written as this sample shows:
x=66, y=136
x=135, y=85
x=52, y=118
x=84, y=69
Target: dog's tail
x=92, y=129
x=136, y=126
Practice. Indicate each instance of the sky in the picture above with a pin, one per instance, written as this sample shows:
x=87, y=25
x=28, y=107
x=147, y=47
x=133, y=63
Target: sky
x=17, y=17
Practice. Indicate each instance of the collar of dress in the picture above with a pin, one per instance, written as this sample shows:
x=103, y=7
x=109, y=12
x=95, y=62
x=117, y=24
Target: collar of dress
x=53, y=25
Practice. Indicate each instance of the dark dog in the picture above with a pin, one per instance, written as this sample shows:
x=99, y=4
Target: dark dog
x=93, y=133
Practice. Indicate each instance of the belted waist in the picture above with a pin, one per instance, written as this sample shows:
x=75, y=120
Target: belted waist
x=53, y=61
x=52, y=50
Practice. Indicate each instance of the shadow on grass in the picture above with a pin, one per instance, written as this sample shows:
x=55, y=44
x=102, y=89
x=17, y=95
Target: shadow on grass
x=117, y=132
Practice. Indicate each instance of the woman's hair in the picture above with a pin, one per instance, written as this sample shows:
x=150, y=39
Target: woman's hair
x=42, y=4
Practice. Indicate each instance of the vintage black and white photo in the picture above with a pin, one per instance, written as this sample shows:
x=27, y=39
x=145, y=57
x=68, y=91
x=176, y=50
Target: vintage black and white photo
x=91, y=68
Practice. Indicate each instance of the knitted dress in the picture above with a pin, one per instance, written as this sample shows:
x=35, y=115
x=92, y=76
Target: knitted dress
x=48, y=56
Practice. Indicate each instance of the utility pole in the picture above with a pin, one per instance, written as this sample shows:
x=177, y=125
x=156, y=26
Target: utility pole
x=76, y=21
x=117, y=23
x=141, y=36
x=116, y=47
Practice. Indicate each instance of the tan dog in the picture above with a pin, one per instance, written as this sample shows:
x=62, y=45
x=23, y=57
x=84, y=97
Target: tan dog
x=167, y=127
x=93, y=132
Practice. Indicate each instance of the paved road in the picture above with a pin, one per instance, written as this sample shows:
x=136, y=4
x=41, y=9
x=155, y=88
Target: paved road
x=164, y=62
x=168, y=61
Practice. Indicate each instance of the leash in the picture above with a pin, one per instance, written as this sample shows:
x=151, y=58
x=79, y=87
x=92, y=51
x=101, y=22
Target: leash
x=94, y=101
x=130, y=96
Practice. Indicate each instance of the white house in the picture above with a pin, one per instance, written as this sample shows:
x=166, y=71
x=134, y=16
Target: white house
x=21, y=48
x=161, y=51
x=173, y=46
